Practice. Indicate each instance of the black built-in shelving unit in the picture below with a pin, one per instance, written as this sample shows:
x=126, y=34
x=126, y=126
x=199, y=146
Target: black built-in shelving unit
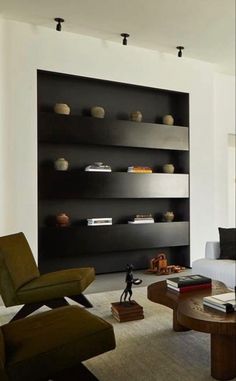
x=118, y=142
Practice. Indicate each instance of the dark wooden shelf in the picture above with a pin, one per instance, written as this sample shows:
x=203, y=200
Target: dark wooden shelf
x=77, y=184
x=54, y=128
x=95, y=239
x=118, y=142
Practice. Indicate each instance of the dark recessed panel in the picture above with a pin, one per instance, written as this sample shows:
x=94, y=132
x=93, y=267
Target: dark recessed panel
x=116, y=261
x=96, y=239
x=118, y=99
x=76, y=184
x=118, y=142
x=74, y=129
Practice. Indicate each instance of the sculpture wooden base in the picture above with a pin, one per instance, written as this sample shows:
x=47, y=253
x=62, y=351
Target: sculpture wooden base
x=127, y=311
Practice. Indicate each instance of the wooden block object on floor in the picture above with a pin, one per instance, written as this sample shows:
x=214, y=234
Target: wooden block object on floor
x=127, y=311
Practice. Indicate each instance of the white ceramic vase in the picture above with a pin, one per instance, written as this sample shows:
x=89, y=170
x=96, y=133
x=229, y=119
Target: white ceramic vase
x=168, y=119
x=62, y=108
x=97, y=112
x=61, y=164
x=136, y=116
x=169, y=216
x=168, y=168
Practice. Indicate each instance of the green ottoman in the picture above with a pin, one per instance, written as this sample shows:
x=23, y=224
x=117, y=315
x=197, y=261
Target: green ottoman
x=41, y=346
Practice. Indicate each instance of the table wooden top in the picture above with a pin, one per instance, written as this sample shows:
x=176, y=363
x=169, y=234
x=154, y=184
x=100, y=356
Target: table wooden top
x=190, y=310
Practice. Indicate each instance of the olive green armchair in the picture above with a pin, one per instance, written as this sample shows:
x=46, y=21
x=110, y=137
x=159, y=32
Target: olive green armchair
x=52, y=345
x=22, y=283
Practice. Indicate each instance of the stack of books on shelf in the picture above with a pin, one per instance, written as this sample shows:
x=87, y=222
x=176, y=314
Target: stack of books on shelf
x=223, y=302
x=126, y=311
x=99, y=221
x=142, y=219
x=139, y=169
x=98, y=167
x=188, y=283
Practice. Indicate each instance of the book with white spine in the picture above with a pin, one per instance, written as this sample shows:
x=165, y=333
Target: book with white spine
x=99, y=221
x=141, y=222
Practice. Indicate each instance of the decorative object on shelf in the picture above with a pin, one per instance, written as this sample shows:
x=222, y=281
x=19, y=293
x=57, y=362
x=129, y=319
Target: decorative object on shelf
x=180, y=48
x=97, y=112
x=61, y=164
x=99, y=221
x=168, y=119
x=159, y=266
x=58, y=20
x=168, y=168
x=127, y=310
x=125, y=36
x=136, y=116
x=62, y=108
x=62, y=220
x=168, y=216
x=142, y=219
x=139, y=169
x=98, y=167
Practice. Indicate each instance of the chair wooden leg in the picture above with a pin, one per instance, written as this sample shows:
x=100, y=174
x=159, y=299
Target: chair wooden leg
x=56, y=303
x=26, y=310
x=81, y=299
x=77, y=373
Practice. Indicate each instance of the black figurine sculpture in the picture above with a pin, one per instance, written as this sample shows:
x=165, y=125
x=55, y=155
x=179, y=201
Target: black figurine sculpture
x=130, y=280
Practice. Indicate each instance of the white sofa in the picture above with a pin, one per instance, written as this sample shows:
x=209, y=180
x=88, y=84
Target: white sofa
x=219, y=269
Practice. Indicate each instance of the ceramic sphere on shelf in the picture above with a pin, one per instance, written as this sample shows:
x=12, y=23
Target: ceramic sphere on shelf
x=62, y=220
x=168, y=119
x=62, y=108
x=97, y=112
x=136, y=116
x=169, y=216
x=61, y=164
x=168, y=168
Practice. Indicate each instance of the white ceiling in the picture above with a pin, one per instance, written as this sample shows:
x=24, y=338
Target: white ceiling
x=205, y=27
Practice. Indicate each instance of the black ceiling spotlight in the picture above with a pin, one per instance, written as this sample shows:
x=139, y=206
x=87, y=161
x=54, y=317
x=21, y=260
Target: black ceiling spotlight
x=59, y=20
x=180, y=48
x=125, y=36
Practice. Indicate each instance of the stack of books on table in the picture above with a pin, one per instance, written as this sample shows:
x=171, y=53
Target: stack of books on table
x=139, y=169
x=223, y=302
x=99, y=221
x=126, y=311
x=142, y=219
x=188, y=283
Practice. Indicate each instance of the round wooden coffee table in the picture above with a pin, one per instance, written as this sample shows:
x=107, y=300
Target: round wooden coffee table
x=189, y=313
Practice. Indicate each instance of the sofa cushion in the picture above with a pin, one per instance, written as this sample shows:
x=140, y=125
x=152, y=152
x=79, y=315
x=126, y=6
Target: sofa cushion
x=227, y=243
x=224, y=270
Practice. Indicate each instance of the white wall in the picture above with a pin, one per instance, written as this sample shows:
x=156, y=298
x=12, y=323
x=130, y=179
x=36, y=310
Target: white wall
x=29, y=48
x=224, y=164
x=3, y=139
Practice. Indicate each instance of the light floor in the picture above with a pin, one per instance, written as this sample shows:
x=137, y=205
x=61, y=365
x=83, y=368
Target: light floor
x=116, y=281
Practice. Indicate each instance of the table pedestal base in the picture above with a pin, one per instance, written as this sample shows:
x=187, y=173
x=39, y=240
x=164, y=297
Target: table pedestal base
x=177, y=327
x=223, y=356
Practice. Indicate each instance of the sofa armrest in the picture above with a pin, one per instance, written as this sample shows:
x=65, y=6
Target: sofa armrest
x=212, y=250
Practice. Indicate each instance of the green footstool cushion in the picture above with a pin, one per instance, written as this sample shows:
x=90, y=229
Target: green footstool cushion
x=43, y=344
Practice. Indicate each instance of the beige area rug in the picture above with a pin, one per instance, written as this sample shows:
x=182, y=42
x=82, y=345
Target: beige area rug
x=148, y=349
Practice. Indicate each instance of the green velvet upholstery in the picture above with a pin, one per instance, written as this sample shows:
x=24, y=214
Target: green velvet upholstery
x=56, y=284
x=22, y=283
x=2, y=352
x=43, y=344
